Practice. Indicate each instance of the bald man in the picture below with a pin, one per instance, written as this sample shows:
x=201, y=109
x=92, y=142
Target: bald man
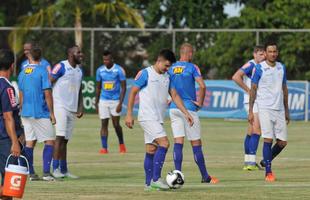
x=184, y=74
x=68, y=104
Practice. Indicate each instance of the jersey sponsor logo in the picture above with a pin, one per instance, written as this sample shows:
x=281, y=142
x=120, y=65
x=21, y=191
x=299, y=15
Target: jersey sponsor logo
x=29, y=70
x=56, y=68
x=12, y=98
x=178, y=70
x=108, y=85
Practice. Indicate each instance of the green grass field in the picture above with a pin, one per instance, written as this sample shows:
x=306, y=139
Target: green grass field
x=115, y=176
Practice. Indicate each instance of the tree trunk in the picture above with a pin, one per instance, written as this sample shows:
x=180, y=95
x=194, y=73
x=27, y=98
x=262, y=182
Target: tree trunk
x=78, y=25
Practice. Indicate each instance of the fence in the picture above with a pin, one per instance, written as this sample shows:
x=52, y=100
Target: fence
x=134, y=48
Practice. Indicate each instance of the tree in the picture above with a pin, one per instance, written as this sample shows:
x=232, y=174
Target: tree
x=68, y=13
x=229, y=51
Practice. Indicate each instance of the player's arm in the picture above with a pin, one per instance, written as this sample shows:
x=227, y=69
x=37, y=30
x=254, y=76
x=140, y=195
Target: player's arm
x=49, y=101
x=202, y=91
x=141, y=80
x=179, y=103
x=80, y=110
x=255, y=80
x=98, y=88
x=238, y=78
x=9, y=123
x=21, y=99
x=57, y=72
x=122, y=96
x=129, y=121
x=285, y=97
x=7, y=105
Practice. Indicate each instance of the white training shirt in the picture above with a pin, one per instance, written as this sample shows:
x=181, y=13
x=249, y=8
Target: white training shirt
x=153, y=95
x=67, y=87
x=270, y=81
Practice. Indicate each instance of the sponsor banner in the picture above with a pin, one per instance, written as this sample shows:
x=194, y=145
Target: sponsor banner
x=224, y=99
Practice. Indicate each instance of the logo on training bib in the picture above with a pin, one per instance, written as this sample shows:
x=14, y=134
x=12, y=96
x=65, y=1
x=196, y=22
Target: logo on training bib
x=28, y=70
x=108, y=85
x=178, y=70
x=12, y=98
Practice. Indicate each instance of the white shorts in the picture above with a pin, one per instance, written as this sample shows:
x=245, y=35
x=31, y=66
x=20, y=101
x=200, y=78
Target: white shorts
x=152, y=130
x=64, y=122
x=180, y=126
x=107, y=108
x=273, y=124
x=38, y=129
x=247, y=107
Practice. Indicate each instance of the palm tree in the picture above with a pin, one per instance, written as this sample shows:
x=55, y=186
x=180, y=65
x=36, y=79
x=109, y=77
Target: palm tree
x=59, y=13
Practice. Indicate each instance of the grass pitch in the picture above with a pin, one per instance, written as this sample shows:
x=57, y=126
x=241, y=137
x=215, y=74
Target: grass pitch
x=115, y=176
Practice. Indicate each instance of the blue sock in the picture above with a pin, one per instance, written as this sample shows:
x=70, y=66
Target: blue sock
x=178, y=156
x=200, y=161
x=253, y=145
x=148, y=168
x=55, y=164
x=104, y=141
x=29, y=156
x=47, y=158
x=159, y=159
x=63, y=166
x=276, y=149
x=267, y=156
x=246, y=144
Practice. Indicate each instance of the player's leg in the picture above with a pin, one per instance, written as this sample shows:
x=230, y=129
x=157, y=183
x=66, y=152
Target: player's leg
x=63, y=160
x=5, y=148
x=104, y=115
x=150, y=150
x=47, y=159
x=246, y=143
x=267, y=129
x=119, y=133
x=254, y=141
x=154, y=133
x=178, y=130
x=29, y=147
x=60, y=128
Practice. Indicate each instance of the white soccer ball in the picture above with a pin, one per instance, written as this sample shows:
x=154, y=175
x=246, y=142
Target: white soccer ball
x=175, y=179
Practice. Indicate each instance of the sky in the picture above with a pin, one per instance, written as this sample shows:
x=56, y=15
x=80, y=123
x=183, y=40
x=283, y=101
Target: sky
x=233, y=10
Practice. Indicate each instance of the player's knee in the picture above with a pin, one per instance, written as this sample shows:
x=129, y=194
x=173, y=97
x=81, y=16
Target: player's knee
x=282, y=144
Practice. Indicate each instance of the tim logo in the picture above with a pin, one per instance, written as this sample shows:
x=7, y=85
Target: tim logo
x=28, y=70
x=16, y=181
x=178, y=70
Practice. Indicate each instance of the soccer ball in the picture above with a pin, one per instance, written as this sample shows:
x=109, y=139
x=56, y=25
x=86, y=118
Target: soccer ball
x=175, y=179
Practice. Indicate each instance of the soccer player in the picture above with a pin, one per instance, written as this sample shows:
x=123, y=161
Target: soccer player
x=68, y=103
x=183, y=75
x=27, y=47
x=111, y=87
x=10, y=122
x=269, y=89
x=154, y=86
x=243, y=78
x=37, y=111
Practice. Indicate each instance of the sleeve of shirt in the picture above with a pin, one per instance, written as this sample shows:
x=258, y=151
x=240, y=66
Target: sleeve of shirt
x=19, y=82
x=171, y=83
x=122, y=74
x=98, y=77
x=196, y=71
x=141, y=79
x=48, y=66
x=58, y=70
x=257, y=74
x=46, y=83
x=7, y=99
x=247, y=68
x=284, y=75
x=22, y=65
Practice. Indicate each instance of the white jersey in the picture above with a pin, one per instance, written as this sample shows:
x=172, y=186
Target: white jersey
x=153, y=95
x=248, y=69
x=67, y=87
x=270, y=81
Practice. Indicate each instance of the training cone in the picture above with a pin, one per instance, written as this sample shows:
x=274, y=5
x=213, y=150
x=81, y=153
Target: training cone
x=15, y=179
